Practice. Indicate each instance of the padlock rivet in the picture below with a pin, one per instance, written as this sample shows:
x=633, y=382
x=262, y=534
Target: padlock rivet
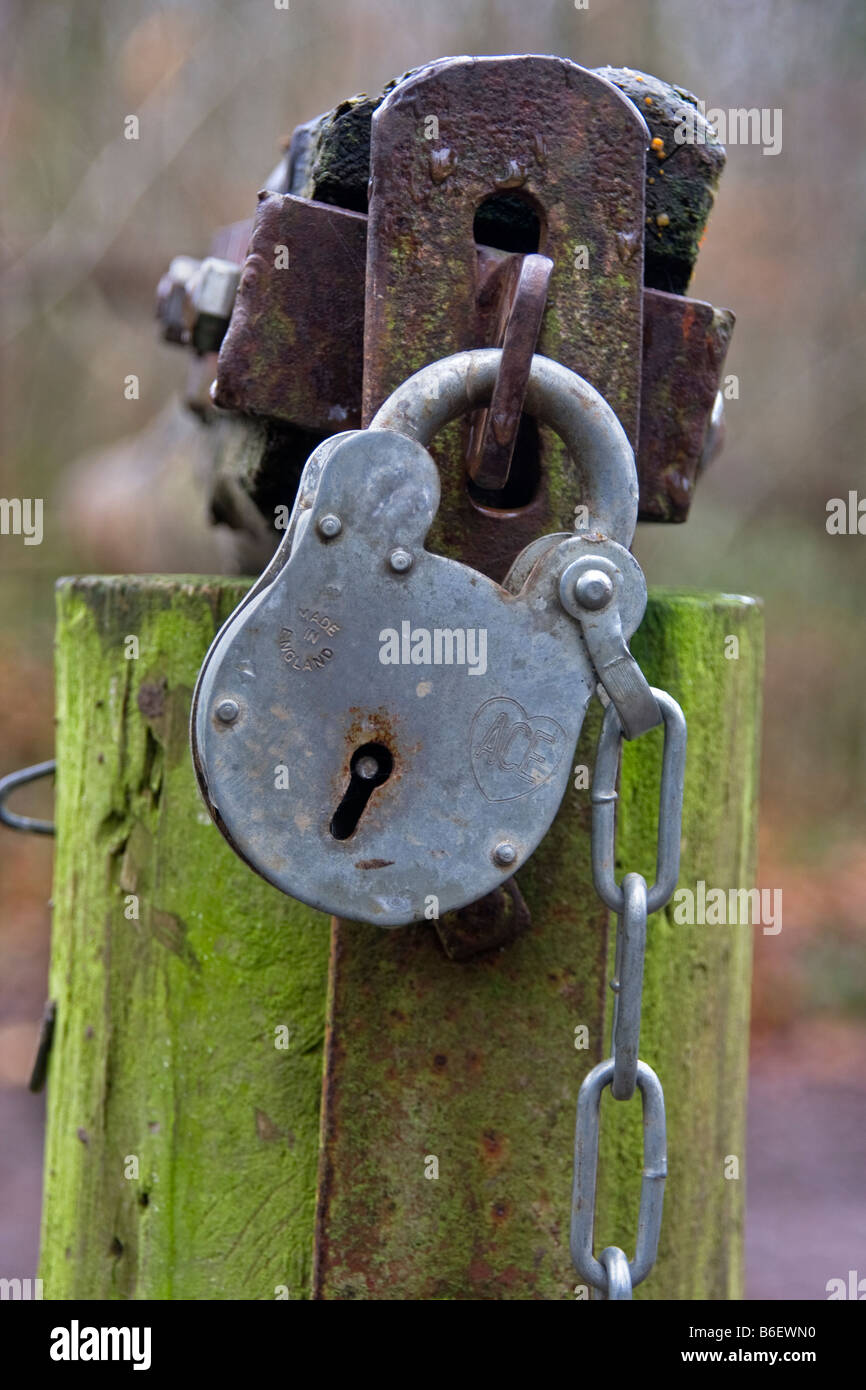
x=227, y=711
x=400, y=560
x=329, y=526
x=593, y=589
x=504, y=854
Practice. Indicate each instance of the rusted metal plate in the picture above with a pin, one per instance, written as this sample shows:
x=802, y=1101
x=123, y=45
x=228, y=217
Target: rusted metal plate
x=294, y=345
x=450, y=1085
x=564, y=142
x=685, y=342
x=570, y=148
x=446, y=1098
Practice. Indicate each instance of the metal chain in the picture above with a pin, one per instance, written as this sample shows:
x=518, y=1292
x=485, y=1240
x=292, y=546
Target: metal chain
x=613, y=1275
x=10, y=783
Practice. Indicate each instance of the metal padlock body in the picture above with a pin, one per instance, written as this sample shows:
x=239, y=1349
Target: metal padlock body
x=477, y=692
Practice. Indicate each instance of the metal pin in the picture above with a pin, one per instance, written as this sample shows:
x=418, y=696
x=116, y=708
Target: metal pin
x=400, y=560
x=227, y=711
x=593, y=589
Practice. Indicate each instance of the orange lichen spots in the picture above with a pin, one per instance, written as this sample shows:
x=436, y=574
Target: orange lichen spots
x=662, y=220
x=657, y=144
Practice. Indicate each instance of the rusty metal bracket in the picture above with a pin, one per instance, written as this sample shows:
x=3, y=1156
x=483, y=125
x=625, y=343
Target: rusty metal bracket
x=570, y=149
x=685, y=342
x=565, y=148
x=293, y=353
x=295, y=344
x=294, y=348
x=494, y=430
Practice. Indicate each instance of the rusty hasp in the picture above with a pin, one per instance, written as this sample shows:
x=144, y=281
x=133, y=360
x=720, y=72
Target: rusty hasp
x=560, y=154
x=267, y=368
x=294, y=347
x=494, y=430
x=685, y=342
x=555, y=156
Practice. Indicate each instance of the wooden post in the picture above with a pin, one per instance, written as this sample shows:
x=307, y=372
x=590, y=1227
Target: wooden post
x=183, y=1135
x=182, y=1124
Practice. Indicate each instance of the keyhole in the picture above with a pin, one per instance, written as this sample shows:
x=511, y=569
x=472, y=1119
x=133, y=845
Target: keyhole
x=371, y=765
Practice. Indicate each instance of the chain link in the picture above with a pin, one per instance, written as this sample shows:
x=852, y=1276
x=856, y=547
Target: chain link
x=612, y=1275
x=627, y=985
x=586, y=1168
x=604, y=799
x=615, y=1262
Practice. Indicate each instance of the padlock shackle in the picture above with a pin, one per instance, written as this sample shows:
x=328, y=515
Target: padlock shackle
x=594, y=437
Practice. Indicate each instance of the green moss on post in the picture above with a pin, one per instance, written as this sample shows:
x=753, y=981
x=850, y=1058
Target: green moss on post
x=707, y=651
x=164, y=1051
x=470, y=1066
x=475, y=1064
x=181, y=1148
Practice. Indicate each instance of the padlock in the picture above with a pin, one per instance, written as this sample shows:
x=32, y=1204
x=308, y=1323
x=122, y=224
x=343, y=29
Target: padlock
x=386, y=733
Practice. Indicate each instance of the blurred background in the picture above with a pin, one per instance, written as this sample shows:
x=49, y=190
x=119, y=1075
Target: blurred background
x=90, y=221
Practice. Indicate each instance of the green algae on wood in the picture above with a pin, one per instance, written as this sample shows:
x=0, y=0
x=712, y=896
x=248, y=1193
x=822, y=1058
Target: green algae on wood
x=451, y=1087
x=164, y=1051
x=695, y=1023
x=450, y=1091
x=182, y=1140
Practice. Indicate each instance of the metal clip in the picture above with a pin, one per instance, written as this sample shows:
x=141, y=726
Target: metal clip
x=604, y=798
x=590, y=591
x=585, y=1171
x=10, y=783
